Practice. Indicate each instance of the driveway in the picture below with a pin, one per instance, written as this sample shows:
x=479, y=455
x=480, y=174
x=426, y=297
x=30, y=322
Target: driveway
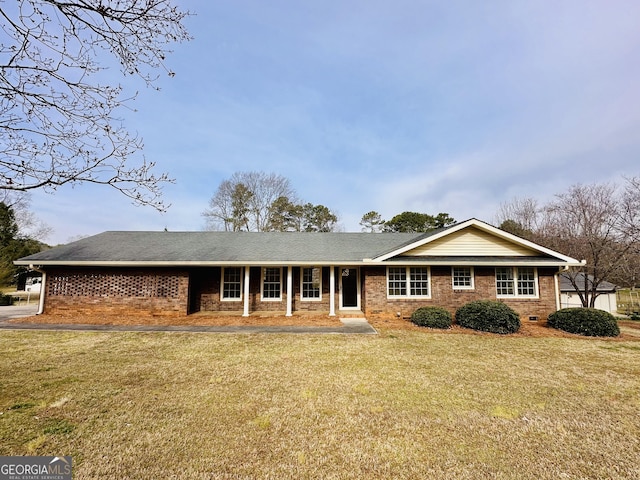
x=17, y=311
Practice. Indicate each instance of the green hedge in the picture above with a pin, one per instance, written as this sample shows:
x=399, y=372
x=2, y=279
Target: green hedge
x=488, y=316
x=432, y=317
x=590, y=322
x=5, y=299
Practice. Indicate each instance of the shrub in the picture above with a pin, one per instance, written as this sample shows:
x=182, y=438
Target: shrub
x=432, y=317
x=635, y=316
x=590, y=322
x=488, y=316
x=6, y=299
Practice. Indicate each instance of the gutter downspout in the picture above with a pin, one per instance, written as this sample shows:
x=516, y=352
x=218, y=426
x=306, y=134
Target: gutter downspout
x=42, y=288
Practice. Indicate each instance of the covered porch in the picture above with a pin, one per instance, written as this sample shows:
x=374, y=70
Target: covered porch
x=268, y=290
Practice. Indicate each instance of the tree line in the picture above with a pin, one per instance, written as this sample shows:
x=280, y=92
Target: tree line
x=267, y=202
x=264, y=202
x=598, y=223
x=19, y=230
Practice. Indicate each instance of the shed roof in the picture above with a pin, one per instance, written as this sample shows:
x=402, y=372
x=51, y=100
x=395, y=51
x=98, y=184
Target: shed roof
x=565, y=283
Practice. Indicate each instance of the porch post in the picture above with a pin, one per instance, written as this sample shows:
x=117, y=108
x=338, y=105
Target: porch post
x=289, y=290
x=246, y=291
x=332, y=291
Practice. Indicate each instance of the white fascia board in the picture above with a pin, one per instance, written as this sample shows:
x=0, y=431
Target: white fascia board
x=482, y=226
x=52, y=263
x=480, y=263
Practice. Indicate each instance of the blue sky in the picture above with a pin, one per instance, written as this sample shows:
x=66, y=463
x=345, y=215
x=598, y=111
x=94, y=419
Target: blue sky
x=429, y=106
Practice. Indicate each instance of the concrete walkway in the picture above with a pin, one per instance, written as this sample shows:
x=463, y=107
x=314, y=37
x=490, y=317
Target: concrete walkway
x=349, y=326
x=17, y=311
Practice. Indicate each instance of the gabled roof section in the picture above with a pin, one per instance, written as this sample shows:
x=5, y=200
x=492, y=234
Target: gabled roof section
x=473, y=238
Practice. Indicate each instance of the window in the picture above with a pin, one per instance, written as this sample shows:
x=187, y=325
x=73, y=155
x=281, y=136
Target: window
x=504, y=281
x=271, y=285
x=516, y=282
x=462, y=278
x=408, y=282
x=396, y=282
x=311, y=283
x=232, y=283
x=419, y=282
x=526, y=282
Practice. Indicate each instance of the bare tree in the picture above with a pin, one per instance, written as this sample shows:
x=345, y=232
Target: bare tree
x=58, y=123
x=253, y=201
x=598, y=223
x=520, y=216
x=29, y=225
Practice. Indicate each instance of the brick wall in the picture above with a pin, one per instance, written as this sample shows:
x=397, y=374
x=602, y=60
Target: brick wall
x=206, y=296
x=158, y=291
x=376, y=303
x=116, y=291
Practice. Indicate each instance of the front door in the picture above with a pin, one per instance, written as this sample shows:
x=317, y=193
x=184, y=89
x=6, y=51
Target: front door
x=349, y=288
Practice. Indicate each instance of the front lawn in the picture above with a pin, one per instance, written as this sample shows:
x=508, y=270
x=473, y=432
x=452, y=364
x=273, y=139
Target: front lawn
x=402, y=404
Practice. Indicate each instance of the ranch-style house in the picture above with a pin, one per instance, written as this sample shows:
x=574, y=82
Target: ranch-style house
x=246, y=273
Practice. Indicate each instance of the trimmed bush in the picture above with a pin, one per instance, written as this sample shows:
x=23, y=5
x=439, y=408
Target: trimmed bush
x=488, y=316
x=432, y=317
x=5, y=299
x=590, y=322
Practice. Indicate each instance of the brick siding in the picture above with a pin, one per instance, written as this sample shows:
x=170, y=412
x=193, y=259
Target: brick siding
x=116, y=291
x=376, y=303
x=166, y=291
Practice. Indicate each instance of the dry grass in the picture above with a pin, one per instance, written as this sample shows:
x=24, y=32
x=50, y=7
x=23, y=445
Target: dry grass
x=407, y=403
x=205, y=319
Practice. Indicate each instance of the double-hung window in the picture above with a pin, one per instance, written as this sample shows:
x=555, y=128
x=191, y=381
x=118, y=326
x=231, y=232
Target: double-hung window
x=271, y=283
x=516, y=282
x=462, y=278
x=232, y=283
x=408, y=282
x=311, y=283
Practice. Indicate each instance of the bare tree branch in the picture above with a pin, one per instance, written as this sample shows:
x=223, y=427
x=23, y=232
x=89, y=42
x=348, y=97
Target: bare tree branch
x=58, y=124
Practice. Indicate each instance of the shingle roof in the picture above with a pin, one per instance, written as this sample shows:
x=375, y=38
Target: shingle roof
x=221, y=247
x=565, y=283
x=266, y=248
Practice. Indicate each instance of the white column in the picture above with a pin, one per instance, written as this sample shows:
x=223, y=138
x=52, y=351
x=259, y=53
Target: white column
x=556, y=286
x=332, y=291
x=246, y=291
x=43, y=289
x=289, y=290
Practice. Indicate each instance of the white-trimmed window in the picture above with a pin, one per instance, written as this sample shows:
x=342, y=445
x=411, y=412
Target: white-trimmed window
x=311, y=286
x=462, y=278
x=516, y=282
x=231, y=283
x=408, y=282
x=271, y=284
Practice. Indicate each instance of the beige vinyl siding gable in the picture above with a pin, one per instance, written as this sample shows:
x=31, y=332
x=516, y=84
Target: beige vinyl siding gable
x=472, y=242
